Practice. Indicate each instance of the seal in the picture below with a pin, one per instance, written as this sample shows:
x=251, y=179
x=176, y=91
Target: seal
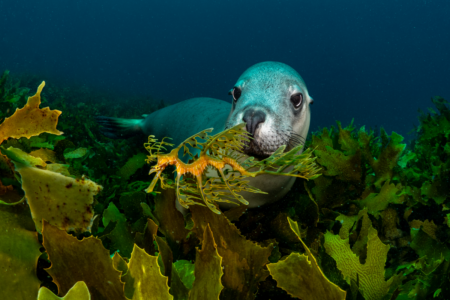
x=270, y=97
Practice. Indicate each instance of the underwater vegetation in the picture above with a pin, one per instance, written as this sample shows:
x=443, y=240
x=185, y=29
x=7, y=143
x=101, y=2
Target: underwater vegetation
x=76, y=221
x=218, y=151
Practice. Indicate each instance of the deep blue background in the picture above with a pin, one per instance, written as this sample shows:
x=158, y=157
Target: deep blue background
x=375, y=61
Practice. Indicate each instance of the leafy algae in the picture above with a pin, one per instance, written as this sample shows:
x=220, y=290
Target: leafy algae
x=375, y=196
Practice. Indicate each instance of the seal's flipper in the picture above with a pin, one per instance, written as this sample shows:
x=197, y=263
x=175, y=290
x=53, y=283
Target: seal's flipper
x=116, y=128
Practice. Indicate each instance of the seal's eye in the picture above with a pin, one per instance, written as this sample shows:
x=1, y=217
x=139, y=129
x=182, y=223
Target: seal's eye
x=236, y=93
x=297, y=99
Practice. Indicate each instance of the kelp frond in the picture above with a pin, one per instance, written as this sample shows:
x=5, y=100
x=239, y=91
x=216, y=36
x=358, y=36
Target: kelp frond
x=223, y=152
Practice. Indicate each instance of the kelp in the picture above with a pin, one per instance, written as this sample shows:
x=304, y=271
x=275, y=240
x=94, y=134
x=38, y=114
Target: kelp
x=87, y=261
x=379, y=208
x=143, y=268
x=78, y=292
x=369, y=276
x=301, y=276
x=19, y=253
x=208, y=270
x=30, y=120
x=355, y=163
x=218, y=151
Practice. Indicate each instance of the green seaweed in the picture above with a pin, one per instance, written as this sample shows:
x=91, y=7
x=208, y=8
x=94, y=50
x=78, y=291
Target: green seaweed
x=383, y=202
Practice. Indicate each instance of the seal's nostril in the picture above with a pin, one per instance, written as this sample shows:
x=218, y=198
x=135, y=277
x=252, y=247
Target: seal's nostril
x=253, y=118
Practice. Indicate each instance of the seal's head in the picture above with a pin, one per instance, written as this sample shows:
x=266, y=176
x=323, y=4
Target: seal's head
x=273, y=100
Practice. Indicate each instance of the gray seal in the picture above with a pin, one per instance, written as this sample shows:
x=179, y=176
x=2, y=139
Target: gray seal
x=270, y=97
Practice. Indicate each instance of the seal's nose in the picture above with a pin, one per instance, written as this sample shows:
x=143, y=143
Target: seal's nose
x=253, y=118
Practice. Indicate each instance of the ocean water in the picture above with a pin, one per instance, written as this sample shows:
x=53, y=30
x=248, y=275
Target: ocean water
x=369, y=214
x=375, y=61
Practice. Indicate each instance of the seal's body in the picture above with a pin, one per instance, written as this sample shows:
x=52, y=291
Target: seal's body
x=270, y=97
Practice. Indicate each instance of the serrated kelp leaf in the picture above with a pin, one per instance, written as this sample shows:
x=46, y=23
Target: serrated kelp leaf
x=281, y=227
x=383, y=166
x=119, y=263
x=360, y=246
x=322, y=140
x=61, y=200
x=436, y=189
x=208, y=270
x=30, y=120
x=121, y=236
x=424, y=245
x=243, y=260
x=171, y=221
x=406, y=158
x=347, y=223
x=79, y=291
x=429, y=227
x=349, y=144
x=86, y=260
x=233, y=214
x=144, y=280
x=166, y=255
x=390, y=223
x=185, y=270
x=19, y=253
x=145, y=240
x=345, y=167
x=64, y=201
x=424, y=264
x=370, y=275
x=132, y=165
x=389, y=194
x=301, y=276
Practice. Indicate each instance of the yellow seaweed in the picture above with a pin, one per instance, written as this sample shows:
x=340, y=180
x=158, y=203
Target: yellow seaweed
x=144, y=279
x=370, y=275
x=300, y=275
x=86, y=260
x=63, y=201
x=208, y=270
x=30, y=120
x=19, y=253
x=79, y=291
x=242, y=259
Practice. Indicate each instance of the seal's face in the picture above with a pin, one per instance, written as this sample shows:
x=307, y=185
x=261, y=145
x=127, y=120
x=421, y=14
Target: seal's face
x=272, y=99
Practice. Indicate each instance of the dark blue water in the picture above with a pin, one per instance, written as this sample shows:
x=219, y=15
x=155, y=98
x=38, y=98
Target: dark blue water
x=375, y=61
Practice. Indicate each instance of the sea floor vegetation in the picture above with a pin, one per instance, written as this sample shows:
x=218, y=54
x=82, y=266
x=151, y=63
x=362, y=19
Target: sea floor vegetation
x=76, y=221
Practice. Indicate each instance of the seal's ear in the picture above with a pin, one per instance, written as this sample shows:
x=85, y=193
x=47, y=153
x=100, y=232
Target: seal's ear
x=230, y=92
x=311, y=101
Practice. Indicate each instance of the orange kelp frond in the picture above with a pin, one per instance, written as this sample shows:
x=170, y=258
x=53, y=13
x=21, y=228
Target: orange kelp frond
x=30, y=120
x=218, y=175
